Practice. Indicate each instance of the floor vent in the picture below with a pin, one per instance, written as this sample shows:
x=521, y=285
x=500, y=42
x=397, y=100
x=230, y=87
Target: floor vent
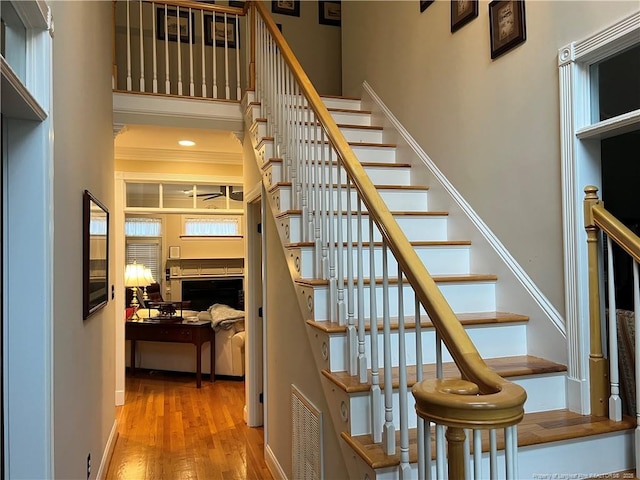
x=307, y=452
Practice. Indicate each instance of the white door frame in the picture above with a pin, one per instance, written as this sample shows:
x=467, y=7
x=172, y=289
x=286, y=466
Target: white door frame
x=254, y=276
x=581, y=167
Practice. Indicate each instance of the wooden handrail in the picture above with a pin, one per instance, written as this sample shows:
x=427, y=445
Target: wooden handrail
x=504, y=394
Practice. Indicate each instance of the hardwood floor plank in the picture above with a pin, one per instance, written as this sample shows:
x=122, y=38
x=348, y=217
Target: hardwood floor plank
x=169, y=429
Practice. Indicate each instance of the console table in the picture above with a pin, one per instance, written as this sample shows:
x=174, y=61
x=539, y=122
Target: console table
x=177, y=331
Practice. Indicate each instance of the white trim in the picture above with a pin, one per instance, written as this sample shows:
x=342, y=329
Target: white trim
x=580, y=167
x=624, y=123
x=550, y=311
x=118, y=281
x=179, y=178
x=175, y=155
x=108, y=452
x=273, y=465
x=129, y=108
x=17, y=100
x=253, y=263
x=34, y=14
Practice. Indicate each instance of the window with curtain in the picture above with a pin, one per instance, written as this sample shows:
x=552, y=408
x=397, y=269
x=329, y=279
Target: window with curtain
x=211, y=227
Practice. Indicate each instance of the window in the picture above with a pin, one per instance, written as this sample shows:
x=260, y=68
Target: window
x=211, y=226
x=143, y=243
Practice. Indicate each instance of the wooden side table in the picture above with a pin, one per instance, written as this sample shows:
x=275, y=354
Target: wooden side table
x=179, y=331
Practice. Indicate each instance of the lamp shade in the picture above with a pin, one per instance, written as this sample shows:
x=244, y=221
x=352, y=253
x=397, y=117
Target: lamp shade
x=148, y=276
x=135, y=275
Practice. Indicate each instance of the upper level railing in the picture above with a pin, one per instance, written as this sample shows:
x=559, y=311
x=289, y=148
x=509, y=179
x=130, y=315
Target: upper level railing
x=181, y=48
x=343, y=216
x=607, y=389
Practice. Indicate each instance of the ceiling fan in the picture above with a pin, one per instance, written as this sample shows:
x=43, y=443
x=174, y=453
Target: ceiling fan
x=237, y=196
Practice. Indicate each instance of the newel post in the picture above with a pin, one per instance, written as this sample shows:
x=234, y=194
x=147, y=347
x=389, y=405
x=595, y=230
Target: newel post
x=455, y=443
x=598, y=365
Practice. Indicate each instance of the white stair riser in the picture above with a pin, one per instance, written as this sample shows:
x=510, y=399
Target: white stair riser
x=360, y=135
x=491, y=341
x=380, y=175
x=266, y=150
x=464, y=297
x=368, y=153
x=342, y=103
x=395, y=200
x=415, y=227
x=351, y=118
x=438, y=260
x=359, y=414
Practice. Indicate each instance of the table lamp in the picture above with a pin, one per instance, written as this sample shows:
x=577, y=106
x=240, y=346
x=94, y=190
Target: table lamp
x=134, y=278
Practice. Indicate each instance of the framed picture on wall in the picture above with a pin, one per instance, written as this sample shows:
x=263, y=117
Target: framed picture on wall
x=174, y=24
x=507, y=25
x=462, y=12
x=424, y=4
x=329, y=13
x=286, y=7
x=218, y=30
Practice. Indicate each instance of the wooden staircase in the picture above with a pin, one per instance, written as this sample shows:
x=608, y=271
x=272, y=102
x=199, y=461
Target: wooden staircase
x=548, y=437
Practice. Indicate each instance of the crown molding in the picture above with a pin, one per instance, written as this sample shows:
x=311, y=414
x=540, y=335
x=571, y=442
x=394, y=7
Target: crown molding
x=176, y=155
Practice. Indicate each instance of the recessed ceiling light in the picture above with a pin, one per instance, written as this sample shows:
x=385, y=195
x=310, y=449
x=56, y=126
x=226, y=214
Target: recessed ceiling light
x=186, y=143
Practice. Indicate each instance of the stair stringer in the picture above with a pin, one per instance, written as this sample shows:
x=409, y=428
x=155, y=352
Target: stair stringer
x=515, y=292
x=336, y=413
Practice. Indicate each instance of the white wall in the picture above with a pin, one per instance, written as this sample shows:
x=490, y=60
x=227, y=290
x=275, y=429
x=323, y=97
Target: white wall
x=84, y=375
x=492, y=127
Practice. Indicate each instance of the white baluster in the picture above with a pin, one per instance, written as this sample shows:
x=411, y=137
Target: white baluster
x=179, y=52
x=154, y=46
x=419, y=376
x=428, y=461
x=129, y=86
x=226, y=61
x=330, y=219
x=237, y=43
x=167, y=82
x=514, y=449
x=636, y=309
x=312, y=204
x=352, y=336
x=508, y=453
x=405, y=469
x=342, y=311
x=441, y=456
x=362, y=359
x=202, y=61
x=388, y=431
x=304, y=179
x=615, y=402
x=477, y=454
x=493, y=454
x=321, y=193
x=141, y=50
x=466, y=454
x=192, y=87
x=376, y=395
x=325, y=191
x=263, y=60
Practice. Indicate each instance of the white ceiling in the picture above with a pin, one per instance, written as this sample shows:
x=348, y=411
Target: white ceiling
x=153, y=143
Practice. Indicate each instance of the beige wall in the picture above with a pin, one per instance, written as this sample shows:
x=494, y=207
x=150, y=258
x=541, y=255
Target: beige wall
x=84, y=375
x=492, y=127
x=316, y=46
x=189, y=168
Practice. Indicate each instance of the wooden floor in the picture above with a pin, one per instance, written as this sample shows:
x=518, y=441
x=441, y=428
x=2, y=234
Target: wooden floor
x=169, y=429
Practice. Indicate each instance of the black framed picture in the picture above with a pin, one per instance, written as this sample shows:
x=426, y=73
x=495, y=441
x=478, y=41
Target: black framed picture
x=424, y=4
x=507, y=25
x=286, y=7
x=173, y=24
x=462, y=12
x=95, y=246
x=219, y=30
x=329, y=12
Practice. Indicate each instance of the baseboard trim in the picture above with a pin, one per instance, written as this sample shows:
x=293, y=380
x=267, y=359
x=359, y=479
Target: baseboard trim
x=120, y=398
x=550, y=311
x=273, y=465
x=108, y=451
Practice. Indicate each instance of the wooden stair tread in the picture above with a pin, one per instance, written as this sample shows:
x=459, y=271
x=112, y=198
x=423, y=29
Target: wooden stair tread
x=455, y=278
x=346, y=125
x=394, y=213
x=515, y=366
x=478, y=318
x=343, y=186
x=415, y=243
x=334, y=163
x=535, y=429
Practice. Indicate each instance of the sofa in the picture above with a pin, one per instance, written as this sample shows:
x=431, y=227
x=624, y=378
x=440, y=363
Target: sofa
x=229, y=333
